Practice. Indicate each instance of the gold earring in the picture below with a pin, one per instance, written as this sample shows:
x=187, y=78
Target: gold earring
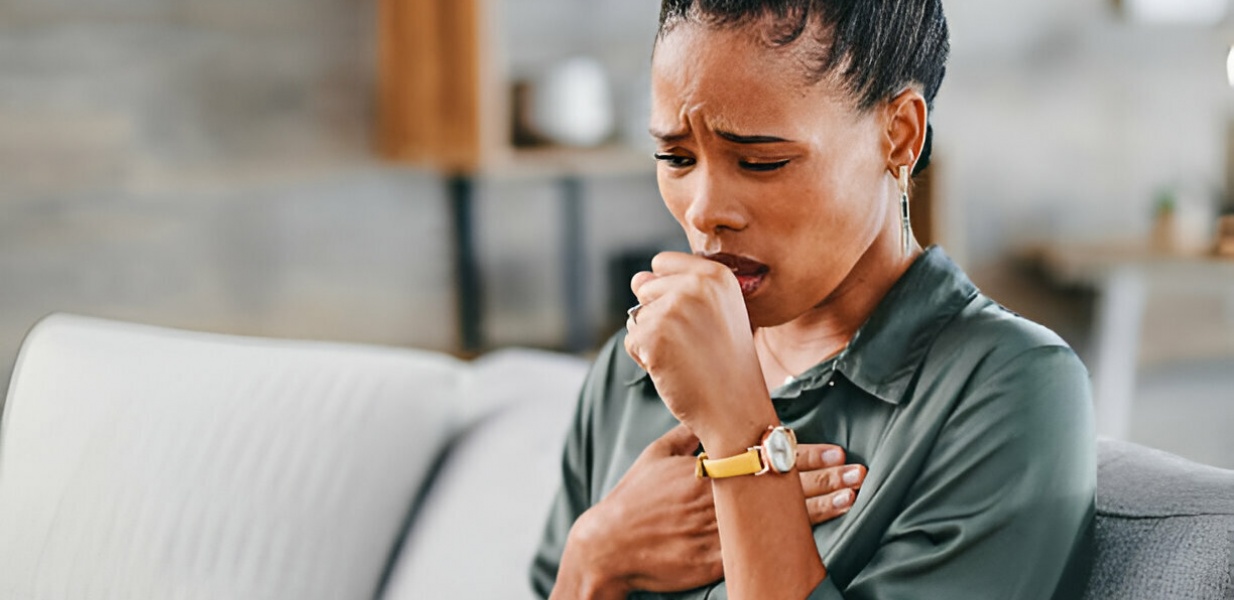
x=906, y=225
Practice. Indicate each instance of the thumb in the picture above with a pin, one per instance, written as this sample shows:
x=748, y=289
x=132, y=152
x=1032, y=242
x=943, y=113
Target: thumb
x=679, y=441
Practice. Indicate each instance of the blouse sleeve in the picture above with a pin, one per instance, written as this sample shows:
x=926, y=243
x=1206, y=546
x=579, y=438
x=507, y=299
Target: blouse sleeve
x=573, y=497
x=1004, y=504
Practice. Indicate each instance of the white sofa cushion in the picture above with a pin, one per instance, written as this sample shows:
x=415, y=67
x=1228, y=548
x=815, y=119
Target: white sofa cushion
x=142, y=463
x=483, y=517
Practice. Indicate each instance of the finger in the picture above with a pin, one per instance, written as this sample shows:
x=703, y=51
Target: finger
x=640, y=279
x=826, y=508
x=656, y=287
x=679, y=441
x=811, y=457
x=677, y=263
x=631, y=344
x=832, y=479
x=669, y=263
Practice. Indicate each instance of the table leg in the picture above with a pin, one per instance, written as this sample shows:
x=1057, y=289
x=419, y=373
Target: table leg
x=1116, y=343
x=460, y=190
x=574, y=265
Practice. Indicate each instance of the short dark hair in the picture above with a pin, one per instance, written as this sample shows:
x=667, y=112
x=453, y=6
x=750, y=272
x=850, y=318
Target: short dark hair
x=882, y=45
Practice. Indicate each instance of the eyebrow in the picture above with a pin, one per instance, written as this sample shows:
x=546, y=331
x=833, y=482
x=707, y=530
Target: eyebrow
x=666, y=136
x=749, y=139
x=735, y=138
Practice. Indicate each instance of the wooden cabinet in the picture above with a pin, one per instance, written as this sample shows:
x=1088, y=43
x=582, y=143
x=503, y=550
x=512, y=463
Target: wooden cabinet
x=431, y=82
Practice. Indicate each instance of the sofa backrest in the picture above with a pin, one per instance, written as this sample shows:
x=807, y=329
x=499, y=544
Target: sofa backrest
x=483, y=517
x=1164, y=527
x=144, y=463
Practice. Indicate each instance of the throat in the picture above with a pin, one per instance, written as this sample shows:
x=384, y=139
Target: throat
x=783, y=363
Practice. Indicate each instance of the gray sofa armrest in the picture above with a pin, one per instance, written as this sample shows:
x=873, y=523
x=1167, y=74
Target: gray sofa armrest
x=1164, y=526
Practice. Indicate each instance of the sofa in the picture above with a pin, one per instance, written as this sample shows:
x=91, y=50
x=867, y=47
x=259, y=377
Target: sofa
x=139, y=462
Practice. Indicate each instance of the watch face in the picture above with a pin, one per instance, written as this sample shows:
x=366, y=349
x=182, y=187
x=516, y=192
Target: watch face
x=781, y=451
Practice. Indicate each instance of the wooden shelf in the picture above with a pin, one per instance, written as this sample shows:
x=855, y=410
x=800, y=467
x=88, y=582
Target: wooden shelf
x=444, y=99
x=444, y=102
x=557, y=162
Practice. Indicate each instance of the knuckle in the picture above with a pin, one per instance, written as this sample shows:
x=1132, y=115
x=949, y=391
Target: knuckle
x=824, y=481
x=816, y=510
x=701, y=280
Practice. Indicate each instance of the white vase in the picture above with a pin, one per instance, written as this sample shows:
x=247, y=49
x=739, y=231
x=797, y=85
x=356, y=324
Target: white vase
x=572, y=103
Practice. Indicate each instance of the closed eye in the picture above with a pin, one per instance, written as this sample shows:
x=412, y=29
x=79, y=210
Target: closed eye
x=763, y=166
x=675, y=161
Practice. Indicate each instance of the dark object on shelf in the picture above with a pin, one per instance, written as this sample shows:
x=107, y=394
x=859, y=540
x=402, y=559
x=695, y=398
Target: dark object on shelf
x=522, y=135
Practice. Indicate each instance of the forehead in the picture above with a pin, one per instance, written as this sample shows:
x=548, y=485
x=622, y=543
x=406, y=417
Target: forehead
x=735, y=79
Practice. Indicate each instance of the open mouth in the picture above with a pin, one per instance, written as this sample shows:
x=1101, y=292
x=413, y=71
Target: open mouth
x=749, y=272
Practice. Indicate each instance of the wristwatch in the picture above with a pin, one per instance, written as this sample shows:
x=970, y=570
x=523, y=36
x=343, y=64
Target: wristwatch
x=776, y=453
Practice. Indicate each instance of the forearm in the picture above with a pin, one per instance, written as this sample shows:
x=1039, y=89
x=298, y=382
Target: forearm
x=765, y=534
x=584, y=573
x=765, y=537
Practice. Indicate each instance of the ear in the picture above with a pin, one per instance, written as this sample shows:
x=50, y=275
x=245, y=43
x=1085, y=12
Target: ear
x=906, y=121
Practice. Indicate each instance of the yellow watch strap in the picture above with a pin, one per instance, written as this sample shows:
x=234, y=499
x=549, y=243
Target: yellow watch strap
x=749, y=462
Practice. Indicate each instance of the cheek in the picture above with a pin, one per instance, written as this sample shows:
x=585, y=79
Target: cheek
x=674, y=196
x=830, y=220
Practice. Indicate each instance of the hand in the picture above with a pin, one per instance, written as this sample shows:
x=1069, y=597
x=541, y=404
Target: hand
x=830, y=486
x=693, y=336
x=657, y=530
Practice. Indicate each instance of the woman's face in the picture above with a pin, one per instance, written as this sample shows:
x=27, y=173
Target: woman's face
x=757, y=163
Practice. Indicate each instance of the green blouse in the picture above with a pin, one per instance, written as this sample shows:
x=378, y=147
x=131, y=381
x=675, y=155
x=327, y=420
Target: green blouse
x=975, y=425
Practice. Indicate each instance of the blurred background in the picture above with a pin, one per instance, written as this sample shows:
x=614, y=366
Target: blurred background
x=464, y=175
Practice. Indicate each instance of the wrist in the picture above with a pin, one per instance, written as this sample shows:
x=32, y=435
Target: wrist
x=733, y=429
x=736, y=433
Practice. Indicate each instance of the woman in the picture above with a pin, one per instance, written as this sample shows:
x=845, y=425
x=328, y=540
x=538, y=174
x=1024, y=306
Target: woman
x=787, y=131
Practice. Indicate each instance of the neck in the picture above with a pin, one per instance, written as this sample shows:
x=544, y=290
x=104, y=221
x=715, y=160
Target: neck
x=827, y=328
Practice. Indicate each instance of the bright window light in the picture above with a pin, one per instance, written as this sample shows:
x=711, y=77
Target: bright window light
x=1200, y=12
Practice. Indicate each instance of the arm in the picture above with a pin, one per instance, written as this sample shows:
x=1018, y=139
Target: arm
x=1002, y=507
x=572, y=497
x=769, y=550
x=569, y=503
x=659, y=513
x=1011, y=475
x=655, y=531
x=693, y=336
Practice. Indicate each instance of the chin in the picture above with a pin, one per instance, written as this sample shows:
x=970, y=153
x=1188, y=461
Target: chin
x=764, y=312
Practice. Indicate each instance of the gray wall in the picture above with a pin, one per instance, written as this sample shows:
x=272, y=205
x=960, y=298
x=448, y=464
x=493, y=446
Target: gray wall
x=1061, y=122
x=208, y=165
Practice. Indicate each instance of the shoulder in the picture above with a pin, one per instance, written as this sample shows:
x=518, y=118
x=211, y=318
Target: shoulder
x=991, y=339
x=1004, y=373
x=1015, y=388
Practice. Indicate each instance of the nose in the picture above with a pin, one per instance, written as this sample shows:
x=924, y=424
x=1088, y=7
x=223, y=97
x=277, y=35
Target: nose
x=712, y=209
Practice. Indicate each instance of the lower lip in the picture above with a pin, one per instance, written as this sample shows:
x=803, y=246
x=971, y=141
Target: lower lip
x=750, y=284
